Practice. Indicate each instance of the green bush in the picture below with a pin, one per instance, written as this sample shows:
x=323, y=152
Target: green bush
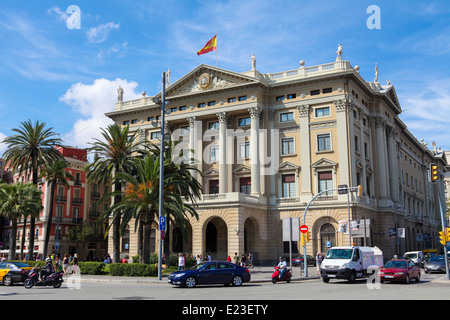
x=91, y=267
x=31, y=263
x=132, y=270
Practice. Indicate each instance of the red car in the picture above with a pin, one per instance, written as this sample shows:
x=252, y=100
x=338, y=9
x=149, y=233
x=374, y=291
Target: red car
x=399, y=270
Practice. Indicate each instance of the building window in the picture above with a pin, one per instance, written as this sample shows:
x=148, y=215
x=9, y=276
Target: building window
x=213, y=186
x=182, y=108
x=184, y=130
x=211, y=103
x=327, y=90
x=291, y=96
x=245, y=150
x=366, y=150
x=155, y=135
x=134, y=121
x=244, y=122
x=150, y=118
x=213, y=125
x=214, y=154
x=126, y=122
x=288, y=183
x=245, y=185
x=323, y=142
x=231, y=100
x=315, y=92
x=285, y=117
x=242, y=98
x=356, y=144
x=287, y=146
x=201, y=105
x=279, y=98
x=325, y=182
x=322, y=112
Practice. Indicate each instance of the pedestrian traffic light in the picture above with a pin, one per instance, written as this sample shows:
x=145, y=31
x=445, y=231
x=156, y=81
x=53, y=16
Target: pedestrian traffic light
x=434, y=173
x=443, y=237
x=359, y=190
x=308, y=236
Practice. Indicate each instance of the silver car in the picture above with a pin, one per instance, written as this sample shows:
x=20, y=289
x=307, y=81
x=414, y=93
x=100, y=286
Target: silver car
x=435, y=264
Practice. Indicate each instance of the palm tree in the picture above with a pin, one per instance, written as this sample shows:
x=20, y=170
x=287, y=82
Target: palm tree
x=28, y=150
x=17, y=200
x=185, y=190
x=113, y=156
x=54, y=174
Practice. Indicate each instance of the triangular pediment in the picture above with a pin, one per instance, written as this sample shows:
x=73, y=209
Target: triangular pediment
x=322, y=163
x=211, y=172
x=241, y=168
x=207, y=78
x=288, y=166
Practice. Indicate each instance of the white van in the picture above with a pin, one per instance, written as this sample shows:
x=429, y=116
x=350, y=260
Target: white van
x=415, y=256
x=350, y=263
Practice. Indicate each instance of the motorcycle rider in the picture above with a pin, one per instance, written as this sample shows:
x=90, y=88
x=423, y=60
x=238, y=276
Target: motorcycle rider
x=47, y=269
x=283, y=266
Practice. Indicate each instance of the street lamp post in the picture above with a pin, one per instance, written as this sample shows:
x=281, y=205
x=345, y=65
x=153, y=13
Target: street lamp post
x=161, y=172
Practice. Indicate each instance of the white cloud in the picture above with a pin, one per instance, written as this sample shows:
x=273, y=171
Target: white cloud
x=2, y=145
x=92, y=101
x=100, y=34
x=55, y=11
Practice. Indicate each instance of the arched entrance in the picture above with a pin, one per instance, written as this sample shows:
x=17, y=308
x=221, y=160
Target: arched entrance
x=216, y=239
x=180, y=244
x=327, y=233
x=251, y=236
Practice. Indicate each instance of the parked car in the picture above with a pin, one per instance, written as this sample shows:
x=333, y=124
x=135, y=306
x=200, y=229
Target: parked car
x=435, y=264
x=10, y=273
x=415, y=256
x=297, y=261
x=213, y=272
x=399, y=270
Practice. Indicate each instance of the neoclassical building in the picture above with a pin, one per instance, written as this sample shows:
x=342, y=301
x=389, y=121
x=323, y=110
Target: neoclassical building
x=267, y=143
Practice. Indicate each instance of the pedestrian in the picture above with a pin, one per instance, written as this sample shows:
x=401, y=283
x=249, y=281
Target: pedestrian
x=250, y=260
x=75, y=263
x=57, y=264
x=319, y=259
x=65, y=263
x=243, y=258
x=236, y=258
x=199, y=259
x=228, y=258
x=209, y=257
x=181, y=262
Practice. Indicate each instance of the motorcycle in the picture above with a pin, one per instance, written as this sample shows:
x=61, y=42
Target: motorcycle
x=55, y=279
x=276, y=275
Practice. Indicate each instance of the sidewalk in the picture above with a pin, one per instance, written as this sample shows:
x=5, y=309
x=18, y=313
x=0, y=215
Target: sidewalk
x=258, y=274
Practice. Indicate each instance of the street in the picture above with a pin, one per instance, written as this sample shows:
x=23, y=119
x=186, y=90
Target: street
x=431, y=287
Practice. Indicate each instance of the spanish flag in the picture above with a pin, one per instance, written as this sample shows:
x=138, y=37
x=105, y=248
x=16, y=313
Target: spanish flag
x=211, y=45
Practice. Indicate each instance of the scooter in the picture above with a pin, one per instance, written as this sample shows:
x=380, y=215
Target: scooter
x=276, y=275
x=54, y=279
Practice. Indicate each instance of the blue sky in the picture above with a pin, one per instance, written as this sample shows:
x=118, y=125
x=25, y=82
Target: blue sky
x=68, y=77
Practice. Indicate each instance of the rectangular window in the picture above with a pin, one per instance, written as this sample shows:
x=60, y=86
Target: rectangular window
x=242, y=98
x=326, y=182
x=213, y=126
x=245, y=150
x=134, y=121
x=244, y=122
x=327, y=90
x=150, y=118
x=211, y=103
x=201, y=105
x=279, y=98
x=315, y=92
x=245, y=185
x=175, y=109
x=213, y=186
x=323, y=142
x=182, y=108
x=231, y=100
x=291, y=96
x=287, y=146
x=155, y=135
x=214, y=154
x=366, y=150
x=288, y=183
x=285, y=117
x=356, y=144
x=126, y=122
x=322, y=112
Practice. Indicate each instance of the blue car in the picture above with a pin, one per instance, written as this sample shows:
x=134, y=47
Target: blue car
x=212, y=272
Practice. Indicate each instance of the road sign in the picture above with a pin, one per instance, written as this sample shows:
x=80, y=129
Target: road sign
x=162, y=223
x=304, y=229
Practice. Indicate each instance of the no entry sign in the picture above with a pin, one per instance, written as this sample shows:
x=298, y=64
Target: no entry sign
x=304, y=229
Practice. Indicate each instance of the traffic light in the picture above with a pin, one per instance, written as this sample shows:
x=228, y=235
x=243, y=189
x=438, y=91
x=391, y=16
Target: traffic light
x=302, y=239
x=442, y=236
x=308, y=236
x=359, y=190
x=434, y=173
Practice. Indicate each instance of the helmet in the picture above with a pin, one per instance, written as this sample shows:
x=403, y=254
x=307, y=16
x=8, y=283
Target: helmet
x=48, y=260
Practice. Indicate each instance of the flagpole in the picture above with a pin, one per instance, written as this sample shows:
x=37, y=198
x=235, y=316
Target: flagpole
x=217, y=54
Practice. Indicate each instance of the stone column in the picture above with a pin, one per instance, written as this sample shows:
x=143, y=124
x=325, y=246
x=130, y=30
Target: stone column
x=305, y=153
x=380, y=125
x=392, y=159
x=254, y=150
x=223, y=166
x=196, y=145
x=342, y=141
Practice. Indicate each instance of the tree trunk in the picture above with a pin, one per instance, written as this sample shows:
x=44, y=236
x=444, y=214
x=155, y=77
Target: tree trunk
x=23, y=237
x=147, y=232
x=50, y=219
x=141, y=241
x=12, y=240
x=167, y=244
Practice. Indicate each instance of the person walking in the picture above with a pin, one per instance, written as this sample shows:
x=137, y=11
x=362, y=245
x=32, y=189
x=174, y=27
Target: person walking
x=65, y=263
x=181, y=262
x=319, y=259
